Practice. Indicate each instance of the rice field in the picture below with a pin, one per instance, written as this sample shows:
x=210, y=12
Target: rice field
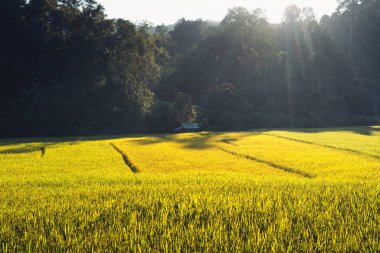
x=301, y=190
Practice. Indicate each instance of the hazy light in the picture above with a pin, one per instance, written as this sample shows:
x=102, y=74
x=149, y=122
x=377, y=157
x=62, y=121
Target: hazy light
x=169, y=11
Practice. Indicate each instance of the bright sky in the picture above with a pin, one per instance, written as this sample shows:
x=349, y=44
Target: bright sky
x=169, y=11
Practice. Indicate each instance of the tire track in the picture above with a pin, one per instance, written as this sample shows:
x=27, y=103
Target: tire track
x=126, y=160
x=353, y=151
x=274, y=165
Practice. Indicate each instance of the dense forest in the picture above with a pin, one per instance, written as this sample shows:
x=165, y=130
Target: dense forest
x=67, y=69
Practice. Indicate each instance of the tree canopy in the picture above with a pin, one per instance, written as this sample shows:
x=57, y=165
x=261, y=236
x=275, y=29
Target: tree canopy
x=67, y=69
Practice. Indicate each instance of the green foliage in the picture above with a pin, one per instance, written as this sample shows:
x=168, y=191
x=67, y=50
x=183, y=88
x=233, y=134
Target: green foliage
x=159, y=118
x=187, y=35
x=183, y=111
x=65, y=68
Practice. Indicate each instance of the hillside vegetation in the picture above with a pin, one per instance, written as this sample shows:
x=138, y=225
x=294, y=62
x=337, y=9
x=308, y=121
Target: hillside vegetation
x=68, y=69
x=297, y=190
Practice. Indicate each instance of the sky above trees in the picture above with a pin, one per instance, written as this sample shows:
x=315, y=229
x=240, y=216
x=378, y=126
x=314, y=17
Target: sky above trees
x=169, y=11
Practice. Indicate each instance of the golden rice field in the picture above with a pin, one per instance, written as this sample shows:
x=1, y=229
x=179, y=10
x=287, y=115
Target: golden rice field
x=303, y=190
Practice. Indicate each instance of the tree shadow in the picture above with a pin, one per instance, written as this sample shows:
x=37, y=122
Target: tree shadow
x=29, y=148
x=22, y=150
x=71, y=140
x=199, y=141
x=363, y=130
x=202, y=140
x=31, y=145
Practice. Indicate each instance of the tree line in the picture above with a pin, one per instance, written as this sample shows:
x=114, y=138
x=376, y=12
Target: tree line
x=67, y=69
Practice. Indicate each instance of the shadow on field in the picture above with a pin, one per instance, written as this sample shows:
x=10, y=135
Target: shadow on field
x=30, y=145
x=28, y=149
x=199, y=141
x=202, y=140
x=50, y=141
x=363, y=130
x=21, y=150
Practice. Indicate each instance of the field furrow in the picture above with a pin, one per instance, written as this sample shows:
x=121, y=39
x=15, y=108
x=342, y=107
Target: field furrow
x=364, y=140
x=274, y=165
x=353, y=151
x=318, y=161
x=183, y=154
x=126, y=160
